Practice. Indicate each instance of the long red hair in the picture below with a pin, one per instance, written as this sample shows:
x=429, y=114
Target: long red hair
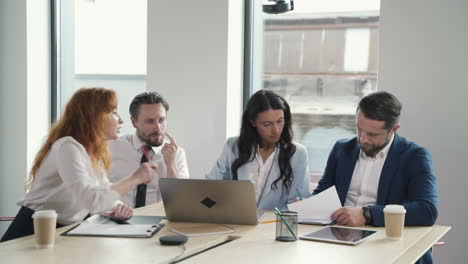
x=83, y=119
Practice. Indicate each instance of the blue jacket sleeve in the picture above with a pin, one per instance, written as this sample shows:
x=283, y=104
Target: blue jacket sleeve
x=301, y=181
x=422, y=198
x=221, y=170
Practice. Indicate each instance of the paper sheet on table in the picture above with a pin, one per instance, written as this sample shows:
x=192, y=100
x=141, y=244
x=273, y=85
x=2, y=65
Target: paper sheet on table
x=318, y=208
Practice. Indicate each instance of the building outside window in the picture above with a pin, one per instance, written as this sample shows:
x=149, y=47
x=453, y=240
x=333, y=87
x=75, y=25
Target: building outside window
x=322, y=58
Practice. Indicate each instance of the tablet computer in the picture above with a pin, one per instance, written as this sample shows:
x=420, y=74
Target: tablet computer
x=341, y=235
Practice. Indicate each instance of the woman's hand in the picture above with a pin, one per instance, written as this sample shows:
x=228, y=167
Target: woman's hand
x=145, y=173
x=120, y=211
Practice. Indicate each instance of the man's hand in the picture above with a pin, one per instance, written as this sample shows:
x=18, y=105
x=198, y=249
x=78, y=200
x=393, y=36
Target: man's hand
x=349, y=216
x=169, y=151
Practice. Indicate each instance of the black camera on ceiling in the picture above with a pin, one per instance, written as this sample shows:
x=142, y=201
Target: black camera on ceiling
x=278, y=6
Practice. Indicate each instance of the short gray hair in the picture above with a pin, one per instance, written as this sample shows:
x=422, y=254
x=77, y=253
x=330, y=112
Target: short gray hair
x=146, y=98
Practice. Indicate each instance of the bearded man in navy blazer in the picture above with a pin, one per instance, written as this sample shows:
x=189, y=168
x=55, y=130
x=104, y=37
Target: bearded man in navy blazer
x=378, y=167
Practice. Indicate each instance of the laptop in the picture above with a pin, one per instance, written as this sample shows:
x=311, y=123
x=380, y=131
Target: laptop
x=209, y=201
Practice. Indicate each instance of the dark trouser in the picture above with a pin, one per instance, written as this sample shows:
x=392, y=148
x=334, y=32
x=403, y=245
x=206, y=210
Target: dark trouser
x=426, y=258
x=22, y=225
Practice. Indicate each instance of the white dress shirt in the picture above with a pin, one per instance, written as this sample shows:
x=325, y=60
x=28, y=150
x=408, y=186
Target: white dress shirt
x=126, y=158
x=259, y=171
x=365, y=180
x=67, y=183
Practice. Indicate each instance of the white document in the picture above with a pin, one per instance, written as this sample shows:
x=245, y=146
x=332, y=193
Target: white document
x=98, y=225
x=317, y=209
x=202, y=229
x=87, y=229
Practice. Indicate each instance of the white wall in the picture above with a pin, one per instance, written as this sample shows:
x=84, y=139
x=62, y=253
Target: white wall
x=189, y=43
x=126, y=86
x=13, y=89
x=24, y=94
x=423, y=62
x=38, y=76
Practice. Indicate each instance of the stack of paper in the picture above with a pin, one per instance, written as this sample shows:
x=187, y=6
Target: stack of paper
x=318, y=208
x=98, y=225
x=200, y=229
x=87, y=229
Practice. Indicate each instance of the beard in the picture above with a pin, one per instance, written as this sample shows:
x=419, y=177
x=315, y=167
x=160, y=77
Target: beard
x=372, y=149
x=147, y=138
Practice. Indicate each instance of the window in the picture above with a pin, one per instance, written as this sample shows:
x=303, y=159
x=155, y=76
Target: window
x=322, y=58
x=102, y=44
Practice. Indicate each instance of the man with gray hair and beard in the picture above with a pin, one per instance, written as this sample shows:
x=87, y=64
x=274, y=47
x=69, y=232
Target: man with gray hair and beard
x=149, y=143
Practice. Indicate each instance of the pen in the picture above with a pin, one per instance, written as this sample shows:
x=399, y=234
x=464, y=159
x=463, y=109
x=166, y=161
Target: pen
x=270, y=221
x=286, y=223
x=298, y=194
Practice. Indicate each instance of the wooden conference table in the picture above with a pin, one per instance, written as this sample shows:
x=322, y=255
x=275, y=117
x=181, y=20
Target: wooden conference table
x=250, y=244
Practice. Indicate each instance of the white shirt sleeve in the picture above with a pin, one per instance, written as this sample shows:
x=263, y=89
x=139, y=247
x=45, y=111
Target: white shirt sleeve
x=81, y=181
x=181, y=165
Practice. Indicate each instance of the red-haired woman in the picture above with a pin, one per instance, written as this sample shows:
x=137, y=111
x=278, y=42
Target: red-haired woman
x=69, y=172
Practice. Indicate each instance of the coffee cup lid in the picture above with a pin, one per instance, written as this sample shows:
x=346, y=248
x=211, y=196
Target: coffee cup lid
x=394, y=208
x=44, y=214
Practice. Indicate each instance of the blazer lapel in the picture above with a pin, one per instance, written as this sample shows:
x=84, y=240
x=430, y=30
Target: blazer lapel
x=345, y=172
x=389, y=169
x=243, y=173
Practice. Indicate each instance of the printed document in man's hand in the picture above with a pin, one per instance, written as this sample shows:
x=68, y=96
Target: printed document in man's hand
x=317, y=209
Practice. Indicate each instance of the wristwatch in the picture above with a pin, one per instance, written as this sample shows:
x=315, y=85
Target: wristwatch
x=367, y=215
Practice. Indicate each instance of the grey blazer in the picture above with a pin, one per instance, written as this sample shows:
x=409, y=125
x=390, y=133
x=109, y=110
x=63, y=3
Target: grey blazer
x=270, y=198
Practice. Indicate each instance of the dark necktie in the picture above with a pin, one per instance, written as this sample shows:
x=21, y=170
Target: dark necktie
x=140, y=199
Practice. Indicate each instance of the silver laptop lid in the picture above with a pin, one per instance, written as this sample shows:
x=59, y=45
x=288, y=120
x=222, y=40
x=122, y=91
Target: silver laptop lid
x=209, y=201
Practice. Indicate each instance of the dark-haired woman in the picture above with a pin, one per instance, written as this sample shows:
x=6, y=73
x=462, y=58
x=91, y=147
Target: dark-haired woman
x=265, y=153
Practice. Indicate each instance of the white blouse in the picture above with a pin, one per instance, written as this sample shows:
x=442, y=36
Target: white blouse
x=259, y=171
x=67, y=183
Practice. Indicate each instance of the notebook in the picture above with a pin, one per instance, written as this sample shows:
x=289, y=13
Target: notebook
x=99, y=225
x=200, y=229
x=134, y=220
x=209, y=201
x=89, y=229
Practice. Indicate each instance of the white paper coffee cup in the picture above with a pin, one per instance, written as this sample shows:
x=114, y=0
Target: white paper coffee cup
x=394, y=221
x=44, y=228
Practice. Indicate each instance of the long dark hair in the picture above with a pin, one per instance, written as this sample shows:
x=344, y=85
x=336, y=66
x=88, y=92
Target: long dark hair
x=247, y=143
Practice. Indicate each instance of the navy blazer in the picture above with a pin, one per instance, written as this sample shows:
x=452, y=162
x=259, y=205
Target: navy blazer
x=407, y=178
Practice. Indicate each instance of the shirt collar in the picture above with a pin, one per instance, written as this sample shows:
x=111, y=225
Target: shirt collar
x=137, y=143
x=258, y=156
x=382, y=154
